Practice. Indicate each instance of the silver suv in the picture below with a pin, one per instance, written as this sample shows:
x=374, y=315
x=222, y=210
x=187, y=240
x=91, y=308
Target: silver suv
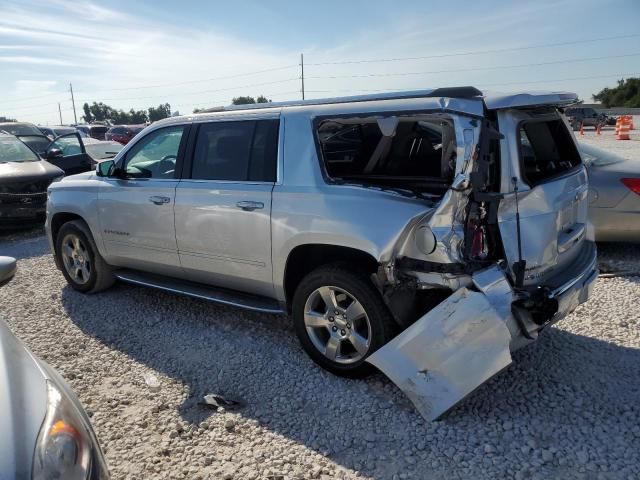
x=440, y=229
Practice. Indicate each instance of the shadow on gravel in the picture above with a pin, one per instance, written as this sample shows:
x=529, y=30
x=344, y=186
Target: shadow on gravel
x=561, y=389
x=23, y=243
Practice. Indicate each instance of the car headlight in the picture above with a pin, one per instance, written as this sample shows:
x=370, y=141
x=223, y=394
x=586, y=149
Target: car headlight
x=64, y=446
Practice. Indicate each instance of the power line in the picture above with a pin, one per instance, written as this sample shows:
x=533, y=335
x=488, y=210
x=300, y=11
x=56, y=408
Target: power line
x=612, y=75
x=498, y=67
x=475, y=52
x=165, y=95
x=255, y=72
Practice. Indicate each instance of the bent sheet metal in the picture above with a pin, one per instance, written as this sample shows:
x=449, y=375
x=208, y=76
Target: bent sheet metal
x=449, y=352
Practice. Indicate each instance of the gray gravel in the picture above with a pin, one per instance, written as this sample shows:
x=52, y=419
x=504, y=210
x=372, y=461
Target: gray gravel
x=567, y=408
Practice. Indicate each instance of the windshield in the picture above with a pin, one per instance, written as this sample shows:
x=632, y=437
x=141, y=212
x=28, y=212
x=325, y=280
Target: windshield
x=13, y=150
x=20, y=129
x=597, y=157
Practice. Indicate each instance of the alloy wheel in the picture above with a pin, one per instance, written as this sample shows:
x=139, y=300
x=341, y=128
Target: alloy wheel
x=75, y=258
x=337, y=325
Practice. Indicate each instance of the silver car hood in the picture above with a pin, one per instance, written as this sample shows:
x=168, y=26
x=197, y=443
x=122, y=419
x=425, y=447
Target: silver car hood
x=23, y=405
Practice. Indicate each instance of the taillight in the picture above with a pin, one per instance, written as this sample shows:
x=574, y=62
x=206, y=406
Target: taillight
x=632, y=184
x=479, y=247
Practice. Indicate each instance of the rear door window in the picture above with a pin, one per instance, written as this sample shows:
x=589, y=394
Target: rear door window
x=547, y=150
x=236, y=151
x=419, y=156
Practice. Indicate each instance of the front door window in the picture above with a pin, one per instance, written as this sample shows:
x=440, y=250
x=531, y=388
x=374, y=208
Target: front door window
x=155, y=155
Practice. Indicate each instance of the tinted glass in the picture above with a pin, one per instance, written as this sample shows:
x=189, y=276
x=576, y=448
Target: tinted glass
x=236, y=151
x=155, y=155
x=69, y=145
x=20, y=129
x=13, y=150
x=546, y=150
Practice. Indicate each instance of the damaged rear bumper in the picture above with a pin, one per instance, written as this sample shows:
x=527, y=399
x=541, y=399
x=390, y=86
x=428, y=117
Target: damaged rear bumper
x=468, y=338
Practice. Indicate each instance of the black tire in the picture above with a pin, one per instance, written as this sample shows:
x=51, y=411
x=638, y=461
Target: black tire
x=100, y=273
x=360, y=288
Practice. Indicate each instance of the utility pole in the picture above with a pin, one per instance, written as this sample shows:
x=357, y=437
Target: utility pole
x=60, y=112
x=73, y=102
x=302, y=76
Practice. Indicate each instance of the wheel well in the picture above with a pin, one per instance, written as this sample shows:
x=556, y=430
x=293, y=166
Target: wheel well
x=60, y=219
x=306, y=258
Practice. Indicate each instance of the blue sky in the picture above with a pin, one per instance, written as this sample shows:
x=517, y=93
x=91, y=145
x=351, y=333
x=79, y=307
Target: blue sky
x=196, y=53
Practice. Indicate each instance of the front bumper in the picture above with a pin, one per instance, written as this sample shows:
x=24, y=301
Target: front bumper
x=18, y=214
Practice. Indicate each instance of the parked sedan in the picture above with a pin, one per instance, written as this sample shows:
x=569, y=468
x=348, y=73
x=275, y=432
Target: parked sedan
x=46, y=434
x=614, y=193
x=123, y=133
x=24, y=179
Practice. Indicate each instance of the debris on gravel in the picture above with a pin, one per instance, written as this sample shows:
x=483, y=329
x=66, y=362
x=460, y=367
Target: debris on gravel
x=568, y=407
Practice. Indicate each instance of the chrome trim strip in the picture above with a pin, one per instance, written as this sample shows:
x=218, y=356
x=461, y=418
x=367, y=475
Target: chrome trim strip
x=124, y=278
x=584, y=277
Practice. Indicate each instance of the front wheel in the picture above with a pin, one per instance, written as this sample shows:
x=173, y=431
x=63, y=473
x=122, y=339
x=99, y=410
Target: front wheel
x=82, y=266
x=340, y=319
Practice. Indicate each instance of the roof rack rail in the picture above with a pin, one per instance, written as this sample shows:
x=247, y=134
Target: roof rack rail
x=449, y=92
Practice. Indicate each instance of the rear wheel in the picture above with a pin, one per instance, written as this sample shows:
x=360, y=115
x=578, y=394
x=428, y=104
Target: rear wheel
x=82, y=266
x=340, y=319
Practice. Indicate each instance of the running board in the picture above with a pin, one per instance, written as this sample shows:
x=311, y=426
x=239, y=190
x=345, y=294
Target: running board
x=198, y=290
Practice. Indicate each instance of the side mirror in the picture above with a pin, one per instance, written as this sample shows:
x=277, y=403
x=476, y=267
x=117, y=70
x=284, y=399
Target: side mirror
x=54, y=153
x=105, y=168
x=7, y=269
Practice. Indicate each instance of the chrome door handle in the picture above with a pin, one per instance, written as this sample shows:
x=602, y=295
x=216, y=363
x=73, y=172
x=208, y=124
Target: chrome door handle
x=159, y=200
x=249, y=206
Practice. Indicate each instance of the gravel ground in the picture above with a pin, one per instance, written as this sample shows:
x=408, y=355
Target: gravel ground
x=567, y=408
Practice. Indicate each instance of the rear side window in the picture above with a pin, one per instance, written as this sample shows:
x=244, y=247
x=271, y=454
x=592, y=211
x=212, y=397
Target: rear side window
x=236, y=151
x=419, y=154
x=546, y=150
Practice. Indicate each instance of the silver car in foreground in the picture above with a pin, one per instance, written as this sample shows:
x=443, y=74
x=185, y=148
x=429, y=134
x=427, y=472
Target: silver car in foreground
x=426, y=233
x=46, y=433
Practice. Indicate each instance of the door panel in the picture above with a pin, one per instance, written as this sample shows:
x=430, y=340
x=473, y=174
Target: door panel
x=136, y=219
x=223, y=233
x=74, y=155
x=136, y=204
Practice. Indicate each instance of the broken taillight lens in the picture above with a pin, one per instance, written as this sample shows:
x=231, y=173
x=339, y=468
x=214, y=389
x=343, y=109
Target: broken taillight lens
x=479, y=249
x=632, y=184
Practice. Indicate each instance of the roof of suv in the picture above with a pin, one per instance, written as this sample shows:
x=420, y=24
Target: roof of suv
x=471, y=95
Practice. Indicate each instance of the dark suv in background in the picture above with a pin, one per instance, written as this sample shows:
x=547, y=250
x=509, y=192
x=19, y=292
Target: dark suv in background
x=586, y=116
x=94, y=131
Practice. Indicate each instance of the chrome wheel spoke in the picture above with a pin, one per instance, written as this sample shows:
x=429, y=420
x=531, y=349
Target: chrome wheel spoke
x=315, y=320
x=85, y=271
x=332, y=350
x=355, y=311
x=68, y=251
x=328, y=295
x=359, y=342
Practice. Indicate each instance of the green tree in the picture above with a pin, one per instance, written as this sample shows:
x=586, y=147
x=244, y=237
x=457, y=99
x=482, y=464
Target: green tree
x=87, y=113
x=159, y=112
x=626, y=94
x=243, y=100
x=4, y=119
x=262, y=99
